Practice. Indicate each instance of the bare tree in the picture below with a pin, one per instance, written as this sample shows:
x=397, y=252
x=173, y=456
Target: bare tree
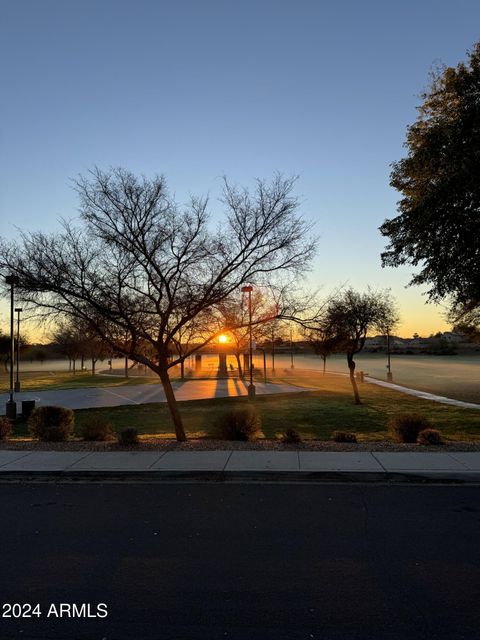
x=190, y=334
x=6, y=345
x=351, y=315
x=77, y=338
x=68, y=341
x=323, y=341
x=97, y=349
x=148, y=268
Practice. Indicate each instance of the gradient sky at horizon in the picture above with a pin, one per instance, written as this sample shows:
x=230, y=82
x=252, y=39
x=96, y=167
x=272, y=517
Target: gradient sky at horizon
x=198, y=90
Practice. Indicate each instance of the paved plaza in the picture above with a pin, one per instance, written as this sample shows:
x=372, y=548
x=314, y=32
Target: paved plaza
x=90, y=397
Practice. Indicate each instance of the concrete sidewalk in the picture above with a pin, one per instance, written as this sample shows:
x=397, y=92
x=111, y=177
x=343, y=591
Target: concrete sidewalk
x=242, y=465
x=423, y=394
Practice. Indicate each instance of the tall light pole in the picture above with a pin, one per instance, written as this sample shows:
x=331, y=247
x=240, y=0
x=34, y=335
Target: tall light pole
x=18, y=311
x=273, y=350
x=291, y=349
x=389, y=370
x=251, y=387
x=264, y=353
x=11, y=405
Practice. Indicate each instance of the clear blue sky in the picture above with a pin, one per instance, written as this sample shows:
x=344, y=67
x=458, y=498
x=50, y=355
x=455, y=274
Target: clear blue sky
x=199, y=89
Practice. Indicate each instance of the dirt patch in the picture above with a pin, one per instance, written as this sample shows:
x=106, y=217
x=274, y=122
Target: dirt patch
x=207, y=444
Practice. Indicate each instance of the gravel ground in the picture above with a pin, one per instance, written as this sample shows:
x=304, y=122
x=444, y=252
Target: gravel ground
x=161, y=444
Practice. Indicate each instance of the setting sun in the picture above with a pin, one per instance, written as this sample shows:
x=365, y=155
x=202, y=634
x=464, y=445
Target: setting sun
x=222, y=338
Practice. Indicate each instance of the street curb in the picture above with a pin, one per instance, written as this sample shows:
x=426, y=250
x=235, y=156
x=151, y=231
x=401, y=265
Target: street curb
x=212, y=477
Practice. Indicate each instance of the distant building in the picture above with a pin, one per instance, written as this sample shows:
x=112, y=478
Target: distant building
x=452, y=336
x=376, y=342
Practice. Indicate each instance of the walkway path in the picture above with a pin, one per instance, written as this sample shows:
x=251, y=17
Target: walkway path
x=223, y=465
x=423, y=394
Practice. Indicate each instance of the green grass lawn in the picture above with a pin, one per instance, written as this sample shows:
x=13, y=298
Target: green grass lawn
x=36, y=381
x=452, y=376
x=315, y=414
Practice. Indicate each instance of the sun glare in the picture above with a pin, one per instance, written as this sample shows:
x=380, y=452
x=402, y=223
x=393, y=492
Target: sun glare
x=222, y=338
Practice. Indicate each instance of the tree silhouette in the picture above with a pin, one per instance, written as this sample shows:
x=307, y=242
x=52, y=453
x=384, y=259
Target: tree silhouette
x=438, y=226
x=141, y=266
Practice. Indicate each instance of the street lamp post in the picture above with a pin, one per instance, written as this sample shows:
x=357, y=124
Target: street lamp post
x=11, y=405
x=273, y=351
x=251, y=386
x=17, y=381
x=291, y=350
x=264, y=353
x=389, y=370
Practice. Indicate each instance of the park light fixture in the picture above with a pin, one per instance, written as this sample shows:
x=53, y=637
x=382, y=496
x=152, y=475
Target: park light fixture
x=251, y=387
x=18, y=311
x=273, y=350
x=292, y=366
x=389, y=369
x=11, y=405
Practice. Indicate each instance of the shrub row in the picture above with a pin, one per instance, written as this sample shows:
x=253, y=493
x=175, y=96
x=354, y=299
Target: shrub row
x=97, y=429
x=51, y=424
x=343, y=436
x=240, y=424
x=56, y=424
x=413, y=427
x=245, y=424
x=100, y=429
x=5, y=428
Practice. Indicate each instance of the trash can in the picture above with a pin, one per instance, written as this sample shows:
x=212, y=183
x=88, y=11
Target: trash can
x=11, y=410
x=27, y=407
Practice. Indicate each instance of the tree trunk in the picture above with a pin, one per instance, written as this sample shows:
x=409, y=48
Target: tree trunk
x=182, y=370
x=240, y=372
x=351, y=367
x=126, y=367
x=172, y=405
x=324, y=363
x=74, y=366
x=93, y=366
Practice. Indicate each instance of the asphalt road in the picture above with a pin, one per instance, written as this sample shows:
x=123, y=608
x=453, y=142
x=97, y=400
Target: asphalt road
x=242, y=561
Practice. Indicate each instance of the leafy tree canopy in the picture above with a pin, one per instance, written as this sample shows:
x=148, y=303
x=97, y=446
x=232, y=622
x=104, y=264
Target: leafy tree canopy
x=438, y=226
